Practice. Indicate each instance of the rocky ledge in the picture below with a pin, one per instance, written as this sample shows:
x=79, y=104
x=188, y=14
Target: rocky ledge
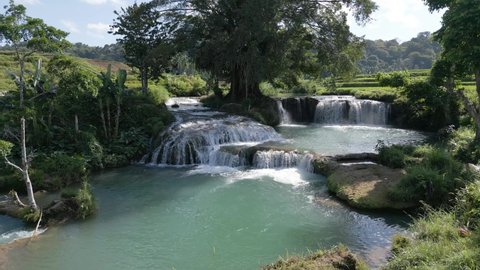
x=360, y=182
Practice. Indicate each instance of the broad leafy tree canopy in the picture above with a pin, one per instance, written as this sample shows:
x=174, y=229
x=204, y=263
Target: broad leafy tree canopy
x=248, y=41
x=24, y=32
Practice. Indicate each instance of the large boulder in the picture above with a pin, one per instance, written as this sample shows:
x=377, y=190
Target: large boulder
x=360, y=182
x=367, y=186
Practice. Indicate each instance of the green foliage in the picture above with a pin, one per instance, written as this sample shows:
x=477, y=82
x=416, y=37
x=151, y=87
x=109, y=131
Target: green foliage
x=395, y=79
x=395, y=156
x=388, y=55
x=112, y=52
x=141, y=38
x=247, y=42
x=58, y=170
x=159, y=93
x=468, y=206
x=183, y=85
x=336, y=258
x=27, y=33
x=30, y=216
x=463, y=146
x=268, y=89
x=437, y=244
x=5, y=148
x=435, y=179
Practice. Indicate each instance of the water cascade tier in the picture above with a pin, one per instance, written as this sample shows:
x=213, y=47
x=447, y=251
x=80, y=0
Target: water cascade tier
x=204, y=137
x=343, y=110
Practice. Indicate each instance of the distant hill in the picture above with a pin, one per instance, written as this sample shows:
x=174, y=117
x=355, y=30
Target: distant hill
x=389, y=55
x=111, y=52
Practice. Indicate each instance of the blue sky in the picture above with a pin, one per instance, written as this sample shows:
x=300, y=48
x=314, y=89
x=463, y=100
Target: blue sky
x=88, y=20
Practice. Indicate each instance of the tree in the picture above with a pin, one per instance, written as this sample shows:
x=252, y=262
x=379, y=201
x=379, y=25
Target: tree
x=250, y=41
x=5, y=150
x=111, y=89
x=460, y=38
x=27, y=36
x=140, y=28
x=75, y=84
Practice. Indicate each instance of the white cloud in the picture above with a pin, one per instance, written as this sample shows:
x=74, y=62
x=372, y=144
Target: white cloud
x=102, y=2
x=401, y=19
x=403, y=12
x=98, y=30
x=29, y=2
x=70, y=26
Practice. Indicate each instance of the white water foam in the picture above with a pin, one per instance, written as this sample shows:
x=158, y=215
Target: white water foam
x=290, y=176
x=9, y=237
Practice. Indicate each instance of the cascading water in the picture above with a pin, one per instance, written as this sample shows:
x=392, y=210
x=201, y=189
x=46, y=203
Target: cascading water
x=285, y=117
x=282, y=159
x=334, y=110
x=198, y=141
x=204, y=137
x=349, y=110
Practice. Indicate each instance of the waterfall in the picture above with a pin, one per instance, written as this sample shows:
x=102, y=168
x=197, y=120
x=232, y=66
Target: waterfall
x=282, y=159
x=284, y=115
x=349, y=110
x=198, y=141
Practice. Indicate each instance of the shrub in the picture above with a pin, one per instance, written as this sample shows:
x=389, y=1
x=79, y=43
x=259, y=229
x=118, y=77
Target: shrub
x=437, y=244
x=435, y=179
x=158, y=93
x=463, y=146
x=268, y=89
x=85, y=201
x=468, y=205
x=58, y=170
x=183, y=85
x=393, y=156
x=395, y=79
x=115, y=161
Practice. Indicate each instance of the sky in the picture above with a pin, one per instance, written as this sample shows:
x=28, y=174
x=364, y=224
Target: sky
x=88, y=21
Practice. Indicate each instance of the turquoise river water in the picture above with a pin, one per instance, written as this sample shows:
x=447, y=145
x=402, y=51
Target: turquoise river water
x=202, y=217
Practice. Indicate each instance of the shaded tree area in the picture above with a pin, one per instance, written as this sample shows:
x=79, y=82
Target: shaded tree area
x=389, y=55
x=460, y=39
x=246, y=42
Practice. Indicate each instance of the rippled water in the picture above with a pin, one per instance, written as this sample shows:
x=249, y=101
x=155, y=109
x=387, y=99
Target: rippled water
x=152, y=218
x=334, y=140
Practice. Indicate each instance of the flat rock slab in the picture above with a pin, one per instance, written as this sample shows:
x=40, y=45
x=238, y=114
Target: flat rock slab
x=366, y=186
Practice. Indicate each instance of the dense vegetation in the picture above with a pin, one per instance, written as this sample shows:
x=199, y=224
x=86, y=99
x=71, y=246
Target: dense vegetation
x=75, y=118
x=389, y=55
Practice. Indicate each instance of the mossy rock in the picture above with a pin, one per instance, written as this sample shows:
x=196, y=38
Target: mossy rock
x=337, y=258
x=367, y=186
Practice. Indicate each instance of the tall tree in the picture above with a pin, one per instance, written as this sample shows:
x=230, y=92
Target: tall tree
x=28, y=35
x=6, y=148
x=140, y=28
x=460, y=38
x=250, y=41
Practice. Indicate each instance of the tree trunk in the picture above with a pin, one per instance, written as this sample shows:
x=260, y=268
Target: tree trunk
x=241, y=88
x=144, y=79
x=25, y=165
x=109, y=122
x=21, y=85
x=77, y=129
x=477, y=116
x=117, y=117
x=102, y=116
